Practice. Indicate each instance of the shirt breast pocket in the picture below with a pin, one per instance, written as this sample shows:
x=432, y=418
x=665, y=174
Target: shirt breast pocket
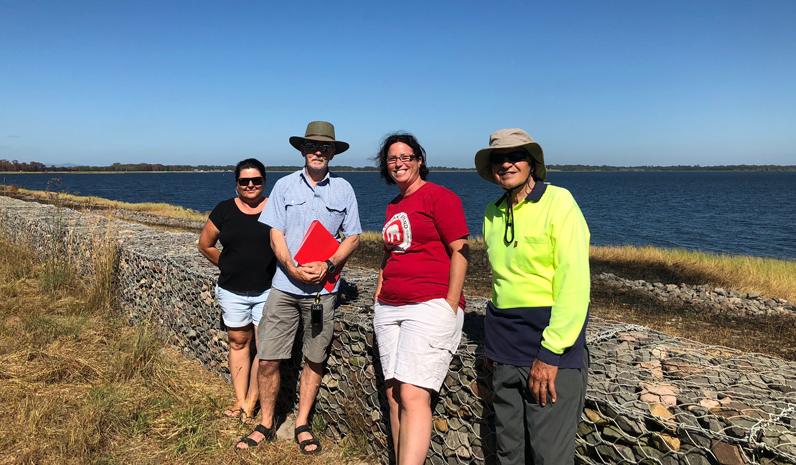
x=534, y=254
x=335, y=214
x=294, y=211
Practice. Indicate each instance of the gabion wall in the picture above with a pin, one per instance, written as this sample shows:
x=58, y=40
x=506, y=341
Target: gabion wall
x=652, y=398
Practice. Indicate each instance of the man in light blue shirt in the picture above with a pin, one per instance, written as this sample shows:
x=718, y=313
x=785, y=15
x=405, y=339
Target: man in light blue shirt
x=296, y=200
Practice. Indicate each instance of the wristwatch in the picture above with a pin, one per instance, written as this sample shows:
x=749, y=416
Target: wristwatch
x=330, y=267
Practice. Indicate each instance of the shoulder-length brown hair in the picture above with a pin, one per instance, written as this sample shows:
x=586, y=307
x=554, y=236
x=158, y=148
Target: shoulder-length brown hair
x=413, y=144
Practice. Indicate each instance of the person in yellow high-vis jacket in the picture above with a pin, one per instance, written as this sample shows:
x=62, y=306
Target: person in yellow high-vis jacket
x=537, y=242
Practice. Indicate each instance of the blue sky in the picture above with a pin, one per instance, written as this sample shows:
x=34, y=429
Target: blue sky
x=594, y=82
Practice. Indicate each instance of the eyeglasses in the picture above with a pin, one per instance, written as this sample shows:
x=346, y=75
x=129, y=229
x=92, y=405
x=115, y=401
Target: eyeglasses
x=513, y=157
x=244, y=182
x=309, y=147
x=403, y=158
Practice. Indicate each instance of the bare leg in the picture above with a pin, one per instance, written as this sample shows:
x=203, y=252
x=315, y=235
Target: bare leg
x=310, y=382
x=394, y=399
x=415, y=415
x=253, y=394
x=269, y=381
x=239, y=364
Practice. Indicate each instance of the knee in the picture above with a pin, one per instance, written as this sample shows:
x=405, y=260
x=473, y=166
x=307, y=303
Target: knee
x=268, y=367
x=238, y=344
x=316, y=367
x=413, y=397
x=239, y=340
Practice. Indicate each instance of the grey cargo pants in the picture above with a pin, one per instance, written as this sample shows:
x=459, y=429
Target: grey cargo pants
x=528, y=433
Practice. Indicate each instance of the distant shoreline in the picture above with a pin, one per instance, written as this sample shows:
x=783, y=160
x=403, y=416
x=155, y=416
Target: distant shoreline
x=551, y=168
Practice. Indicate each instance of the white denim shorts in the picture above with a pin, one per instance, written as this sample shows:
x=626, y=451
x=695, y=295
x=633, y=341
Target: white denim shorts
x=417, y=341
x=238, y=309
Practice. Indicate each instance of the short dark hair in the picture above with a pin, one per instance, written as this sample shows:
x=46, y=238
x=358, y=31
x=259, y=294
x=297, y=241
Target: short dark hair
x=248, y=164
x=413, y=144
x=532, y=162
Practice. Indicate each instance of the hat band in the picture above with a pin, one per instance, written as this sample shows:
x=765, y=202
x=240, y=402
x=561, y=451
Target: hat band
x=319, y=135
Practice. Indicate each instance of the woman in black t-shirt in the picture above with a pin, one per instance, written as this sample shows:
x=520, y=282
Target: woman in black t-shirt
x=247, y=265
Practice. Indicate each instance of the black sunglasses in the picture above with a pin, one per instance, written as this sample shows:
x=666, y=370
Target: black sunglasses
x=258, y=181
x=323, y=148
x=513, y=157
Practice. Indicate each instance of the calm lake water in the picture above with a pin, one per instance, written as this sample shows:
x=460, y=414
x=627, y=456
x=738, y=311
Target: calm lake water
x=739, y=213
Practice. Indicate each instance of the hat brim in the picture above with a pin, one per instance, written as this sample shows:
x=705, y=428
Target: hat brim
x=484, y=167
x=339, y=146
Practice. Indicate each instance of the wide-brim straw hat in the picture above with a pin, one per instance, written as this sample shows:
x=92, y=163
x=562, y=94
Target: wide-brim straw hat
x=510, y=139
x=322, y=132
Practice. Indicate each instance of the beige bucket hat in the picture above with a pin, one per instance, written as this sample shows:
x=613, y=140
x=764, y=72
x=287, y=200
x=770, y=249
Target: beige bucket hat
x=322, y=132
x=508, y=139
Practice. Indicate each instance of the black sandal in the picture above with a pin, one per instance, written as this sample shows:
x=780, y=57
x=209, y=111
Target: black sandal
x=307, y=442
x=269, y=434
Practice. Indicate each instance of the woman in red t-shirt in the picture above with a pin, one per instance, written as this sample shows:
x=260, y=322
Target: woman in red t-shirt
x=419, y=305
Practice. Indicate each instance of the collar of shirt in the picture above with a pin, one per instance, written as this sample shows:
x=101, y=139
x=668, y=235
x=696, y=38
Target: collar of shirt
x=535, y=195
x=305, y=177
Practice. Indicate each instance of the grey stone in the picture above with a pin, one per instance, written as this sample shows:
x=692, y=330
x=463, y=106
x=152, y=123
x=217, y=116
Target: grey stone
x=647, y=452
x=630, y=425
x=613, y=434
x=695, y=457
x=607, y=453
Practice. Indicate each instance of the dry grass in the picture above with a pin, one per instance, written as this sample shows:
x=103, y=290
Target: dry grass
x=77, y=385
x=160, y=209
x=766, y=276
x=370, y=236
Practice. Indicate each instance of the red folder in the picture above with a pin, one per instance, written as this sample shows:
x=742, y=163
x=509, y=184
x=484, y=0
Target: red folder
x=317, y=246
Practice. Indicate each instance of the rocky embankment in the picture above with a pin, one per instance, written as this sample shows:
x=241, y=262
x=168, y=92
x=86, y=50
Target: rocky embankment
x=704, y=298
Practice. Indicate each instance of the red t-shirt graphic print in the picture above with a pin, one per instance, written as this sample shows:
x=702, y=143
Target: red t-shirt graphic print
x=397, y=233
x=416, y=233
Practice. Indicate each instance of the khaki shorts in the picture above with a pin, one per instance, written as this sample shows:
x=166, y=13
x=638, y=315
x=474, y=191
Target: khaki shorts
x=278, y=326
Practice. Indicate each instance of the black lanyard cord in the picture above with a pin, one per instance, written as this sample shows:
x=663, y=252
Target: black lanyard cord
x=510, y=213
x=509, y=224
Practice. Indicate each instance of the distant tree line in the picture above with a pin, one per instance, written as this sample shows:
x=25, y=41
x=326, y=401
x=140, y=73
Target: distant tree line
x=129, y=167
x=35, y=167
x=673, y=168
x=24, y=167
